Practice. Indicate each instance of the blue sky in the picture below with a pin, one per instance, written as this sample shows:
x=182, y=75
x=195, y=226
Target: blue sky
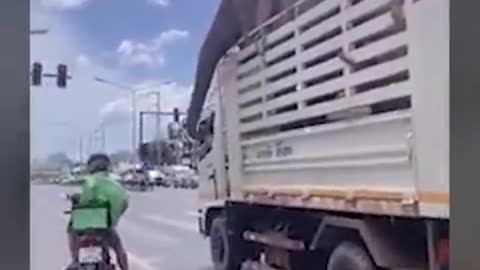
x=139, y=43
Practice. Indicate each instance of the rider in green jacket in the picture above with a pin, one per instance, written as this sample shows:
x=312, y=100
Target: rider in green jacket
x=99, y=187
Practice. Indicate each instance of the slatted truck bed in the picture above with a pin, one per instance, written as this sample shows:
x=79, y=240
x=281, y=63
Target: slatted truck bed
x=329, y=140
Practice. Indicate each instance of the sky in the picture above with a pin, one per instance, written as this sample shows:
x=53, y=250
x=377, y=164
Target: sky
x=148, y=45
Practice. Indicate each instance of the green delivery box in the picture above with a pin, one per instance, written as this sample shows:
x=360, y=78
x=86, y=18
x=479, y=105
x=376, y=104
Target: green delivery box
x=89, y=218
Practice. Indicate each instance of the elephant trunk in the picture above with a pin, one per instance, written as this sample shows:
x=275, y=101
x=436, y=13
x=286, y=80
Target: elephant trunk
x=223, y=34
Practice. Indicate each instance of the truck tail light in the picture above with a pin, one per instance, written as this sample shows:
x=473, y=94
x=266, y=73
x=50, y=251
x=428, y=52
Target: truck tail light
x=444, y=254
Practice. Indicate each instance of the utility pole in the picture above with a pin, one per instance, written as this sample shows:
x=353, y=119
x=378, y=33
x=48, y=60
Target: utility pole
x=104, y=138
x=133, y=91
x=134, y=125
x=81, y=149
x=158, y=128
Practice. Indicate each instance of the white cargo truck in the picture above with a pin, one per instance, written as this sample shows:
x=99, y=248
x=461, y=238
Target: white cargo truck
x=326, y=141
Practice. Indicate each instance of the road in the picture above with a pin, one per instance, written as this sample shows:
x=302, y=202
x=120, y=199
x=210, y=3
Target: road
x=159, y=230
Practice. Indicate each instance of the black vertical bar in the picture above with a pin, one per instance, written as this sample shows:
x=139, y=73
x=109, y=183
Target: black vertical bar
x=141, y=128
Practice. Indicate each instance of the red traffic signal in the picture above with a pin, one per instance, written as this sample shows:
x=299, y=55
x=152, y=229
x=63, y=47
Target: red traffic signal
x=37, y=72
x=62, y=76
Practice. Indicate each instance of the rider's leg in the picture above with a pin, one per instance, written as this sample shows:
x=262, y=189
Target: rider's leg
x=72, y=243
x=117, y=245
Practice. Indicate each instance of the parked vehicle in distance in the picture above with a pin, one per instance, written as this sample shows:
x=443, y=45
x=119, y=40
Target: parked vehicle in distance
x=180, y=176
x=157, y=178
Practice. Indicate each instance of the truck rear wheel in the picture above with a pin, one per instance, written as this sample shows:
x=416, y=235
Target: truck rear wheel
x=221, y=246
x=228, y=251
x=350, y=256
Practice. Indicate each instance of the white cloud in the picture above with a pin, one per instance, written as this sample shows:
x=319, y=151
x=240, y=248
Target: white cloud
x=152, y=52
x=77, y=106
x=83, y=60
x=64, y=4
x=171, y=95
x=83, y=104
x=162, y=3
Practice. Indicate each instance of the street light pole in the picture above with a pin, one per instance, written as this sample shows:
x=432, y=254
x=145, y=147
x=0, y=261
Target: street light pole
x=134, y=109
x=104, y=138
x=134, y=124
x=81, y=149
x=133, y=91
x=158, y=127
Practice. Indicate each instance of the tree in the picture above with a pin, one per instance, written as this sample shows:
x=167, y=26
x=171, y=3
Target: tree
x=59, y=161
x=121, y=156
x=156, y=151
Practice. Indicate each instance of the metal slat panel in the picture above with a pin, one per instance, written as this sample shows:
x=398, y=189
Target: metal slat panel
x=379, y=47
x=320, y=29
x=321, y=49
x=280, y=50
x=324, y=68
x=251, y=80
x=319, y=9
x=332, y=127
x=270, y=38
x=378, y=72
x=369, y=28
x=282, y=84
x=250, y=95
x=305, y=94
x=280, y=67
x=249, y=65
x=246, y=51
x=370, y=97
x=365, y=7
x=281, y=32
x=251, y=110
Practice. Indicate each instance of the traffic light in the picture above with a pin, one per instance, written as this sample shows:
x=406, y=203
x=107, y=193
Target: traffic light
x=62, y=76
x=37, y=72
x=176, y=115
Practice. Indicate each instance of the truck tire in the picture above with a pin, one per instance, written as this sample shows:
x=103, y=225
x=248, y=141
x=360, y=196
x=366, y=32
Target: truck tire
x=222, y=247
x=350, y=256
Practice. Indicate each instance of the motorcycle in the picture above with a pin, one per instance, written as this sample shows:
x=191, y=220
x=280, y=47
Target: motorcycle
x=94, y=250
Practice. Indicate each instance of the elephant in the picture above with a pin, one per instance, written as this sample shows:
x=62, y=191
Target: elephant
x=233, y=19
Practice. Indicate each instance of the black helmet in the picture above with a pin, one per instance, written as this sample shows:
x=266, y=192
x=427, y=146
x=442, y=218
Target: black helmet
x=98, y=163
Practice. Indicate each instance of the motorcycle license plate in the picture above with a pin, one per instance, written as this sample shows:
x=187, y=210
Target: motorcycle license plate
x=90, y=255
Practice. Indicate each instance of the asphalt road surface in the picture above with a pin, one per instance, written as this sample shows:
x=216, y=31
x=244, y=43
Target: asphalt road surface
x=159, y=230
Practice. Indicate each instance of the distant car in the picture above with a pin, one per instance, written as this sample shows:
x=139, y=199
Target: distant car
x=180, y=176
x=137, y=178
x=158, y=178
x=194, y=182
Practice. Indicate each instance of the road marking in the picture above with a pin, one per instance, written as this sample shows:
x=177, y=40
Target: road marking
x=187, y=226
x=156, y=260
x=151, y=234
x=142, y=263
x=192, y=214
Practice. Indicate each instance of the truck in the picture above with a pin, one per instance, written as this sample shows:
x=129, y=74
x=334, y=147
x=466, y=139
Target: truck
x=324, y=143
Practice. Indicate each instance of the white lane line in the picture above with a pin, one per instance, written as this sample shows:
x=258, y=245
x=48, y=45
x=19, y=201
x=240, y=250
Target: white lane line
x=187, y=226
x=136, y=229
x=192, y=214
x=155, y=261
x=139, y=262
